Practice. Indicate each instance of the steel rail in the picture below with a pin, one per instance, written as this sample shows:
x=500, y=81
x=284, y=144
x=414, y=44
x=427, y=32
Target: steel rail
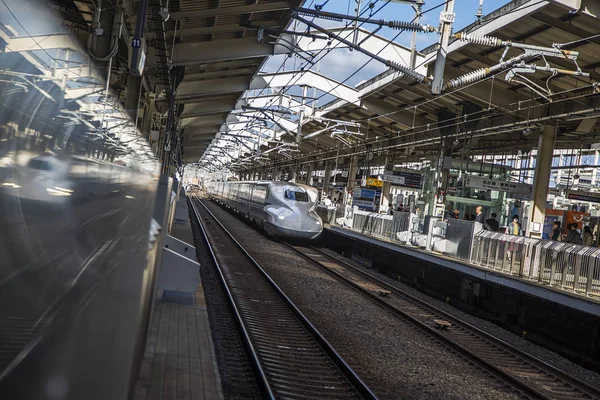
x=587, y=390
x=255, y=354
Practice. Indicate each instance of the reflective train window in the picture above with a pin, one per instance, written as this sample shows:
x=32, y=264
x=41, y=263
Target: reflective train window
x=296, y=196
x=259, y=193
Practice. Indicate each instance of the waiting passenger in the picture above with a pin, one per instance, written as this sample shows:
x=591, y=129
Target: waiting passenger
x=572, y=235
x=491, y=224
x=556, y=231
x=587, y=238
x=467, y=217
x=514, y=228
x=479, y=217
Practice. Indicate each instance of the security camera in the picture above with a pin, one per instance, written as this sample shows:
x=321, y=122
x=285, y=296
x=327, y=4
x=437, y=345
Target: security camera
x=527, y=131
x=164, y=14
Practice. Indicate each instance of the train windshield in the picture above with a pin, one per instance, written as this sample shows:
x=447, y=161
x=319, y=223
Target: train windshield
x=296, y=196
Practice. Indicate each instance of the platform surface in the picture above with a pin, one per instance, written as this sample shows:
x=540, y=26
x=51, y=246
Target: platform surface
x=179, y=359
x=586, y=304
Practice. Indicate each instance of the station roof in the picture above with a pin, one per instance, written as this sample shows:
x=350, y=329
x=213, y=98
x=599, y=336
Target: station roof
x=393, y=112
x=215, y=51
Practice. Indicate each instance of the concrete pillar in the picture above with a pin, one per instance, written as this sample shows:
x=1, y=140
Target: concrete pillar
x=352, y=173
x=386, y=190
x=132, y=96
x=148, y=112
x=543, y=167
x=309, y=171
x=326, y=177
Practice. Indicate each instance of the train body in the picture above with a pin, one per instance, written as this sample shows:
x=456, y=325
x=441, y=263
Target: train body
x=281, y=209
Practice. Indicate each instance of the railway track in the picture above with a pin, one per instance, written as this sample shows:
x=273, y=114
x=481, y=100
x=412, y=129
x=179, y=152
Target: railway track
x=289, y=357
x=527, y=374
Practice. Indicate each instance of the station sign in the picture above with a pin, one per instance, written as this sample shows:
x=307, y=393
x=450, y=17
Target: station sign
x=579, y=195
x=555, y=191
x=363, y=198
x=514, y=190
x=374, y=182
x=411, y=180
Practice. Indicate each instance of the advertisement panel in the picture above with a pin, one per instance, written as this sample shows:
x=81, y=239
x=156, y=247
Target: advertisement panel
x=575, y=217
x=363, y=198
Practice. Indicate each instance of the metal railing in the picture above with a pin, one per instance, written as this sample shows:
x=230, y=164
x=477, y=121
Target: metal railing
x=565, y=265
x=384, y=226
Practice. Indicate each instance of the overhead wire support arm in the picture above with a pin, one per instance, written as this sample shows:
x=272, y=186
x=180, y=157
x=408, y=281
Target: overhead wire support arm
x=554, y=51
x=389, y=63
x=407, y=26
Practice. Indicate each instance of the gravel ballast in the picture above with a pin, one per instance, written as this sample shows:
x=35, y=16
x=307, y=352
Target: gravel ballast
x=395, y=359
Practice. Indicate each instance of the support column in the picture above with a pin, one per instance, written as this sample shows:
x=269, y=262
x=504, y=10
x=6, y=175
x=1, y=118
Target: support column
x=326, y=177
x=132, y=96
x=148, y=113
x=352, y=173
x=309, y=171
x=386, y=190
x=543, y=167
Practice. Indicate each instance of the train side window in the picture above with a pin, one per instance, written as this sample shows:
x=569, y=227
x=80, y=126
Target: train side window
x=296, y=196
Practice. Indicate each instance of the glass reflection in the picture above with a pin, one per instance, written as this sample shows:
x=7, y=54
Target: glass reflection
x=77, y=184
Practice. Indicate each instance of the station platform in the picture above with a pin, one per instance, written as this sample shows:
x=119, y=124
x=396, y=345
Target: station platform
x=557, y=319
x=179, y=359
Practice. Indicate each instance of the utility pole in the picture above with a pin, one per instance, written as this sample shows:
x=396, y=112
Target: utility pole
x=446, y=20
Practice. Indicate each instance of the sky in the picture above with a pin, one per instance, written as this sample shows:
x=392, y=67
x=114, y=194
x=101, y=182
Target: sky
x=339, y=64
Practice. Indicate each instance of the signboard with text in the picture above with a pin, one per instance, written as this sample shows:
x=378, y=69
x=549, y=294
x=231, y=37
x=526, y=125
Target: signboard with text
x=374, y=182
x=579, y=195
x=514, y=190
x=411, y=180
x=363, y=198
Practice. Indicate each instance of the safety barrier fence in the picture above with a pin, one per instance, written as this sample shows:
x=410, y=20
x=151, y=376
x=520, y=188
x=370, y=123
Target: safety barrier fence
x=568, y=266
x=565, y=265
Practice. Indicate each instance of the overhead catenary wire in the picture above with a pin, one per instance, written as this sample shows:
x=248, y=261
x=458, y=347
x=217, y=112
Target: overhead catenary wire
x=290, y=84
x=383, y=48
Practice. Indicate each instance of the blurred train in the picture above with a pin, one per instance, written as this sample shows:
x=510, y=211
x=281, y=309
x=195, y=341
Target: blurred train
x=47, y=178
x=280, y=209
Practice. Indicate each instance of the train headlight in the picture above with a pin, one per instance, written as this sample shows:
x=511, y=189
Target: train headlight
x=282, y=217
x=318, y=222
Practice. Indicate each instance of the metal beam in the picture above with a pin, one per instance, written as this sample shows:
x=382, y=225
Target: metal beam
x=42, y=42
x=225, y=28
x=306, y=78
x=215, y=12
x=213, y=86
x=218, y=74
x=207, y=108
x=204, y=121
x=405, y=118
x=569, y=28
x=82, y=92
x=205, y=130
x=220, y=50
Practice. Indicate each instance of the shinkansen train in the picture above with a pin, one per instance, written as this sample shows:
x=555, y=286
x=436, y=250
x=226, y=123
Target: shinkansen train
x=281, y=209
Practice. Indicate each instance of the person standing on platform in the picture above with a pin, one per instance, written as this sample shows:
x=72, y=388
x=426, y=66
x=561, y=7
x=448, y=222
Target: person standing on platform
x=491, y=224
x=479, y=218
x=572, y=235
x=587, y=238
x=514, y=228
x=556, y=231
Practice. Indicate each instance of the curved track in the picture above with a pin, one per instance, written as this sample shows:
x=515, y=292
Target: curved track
x=290, y=358
x=533, y=377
